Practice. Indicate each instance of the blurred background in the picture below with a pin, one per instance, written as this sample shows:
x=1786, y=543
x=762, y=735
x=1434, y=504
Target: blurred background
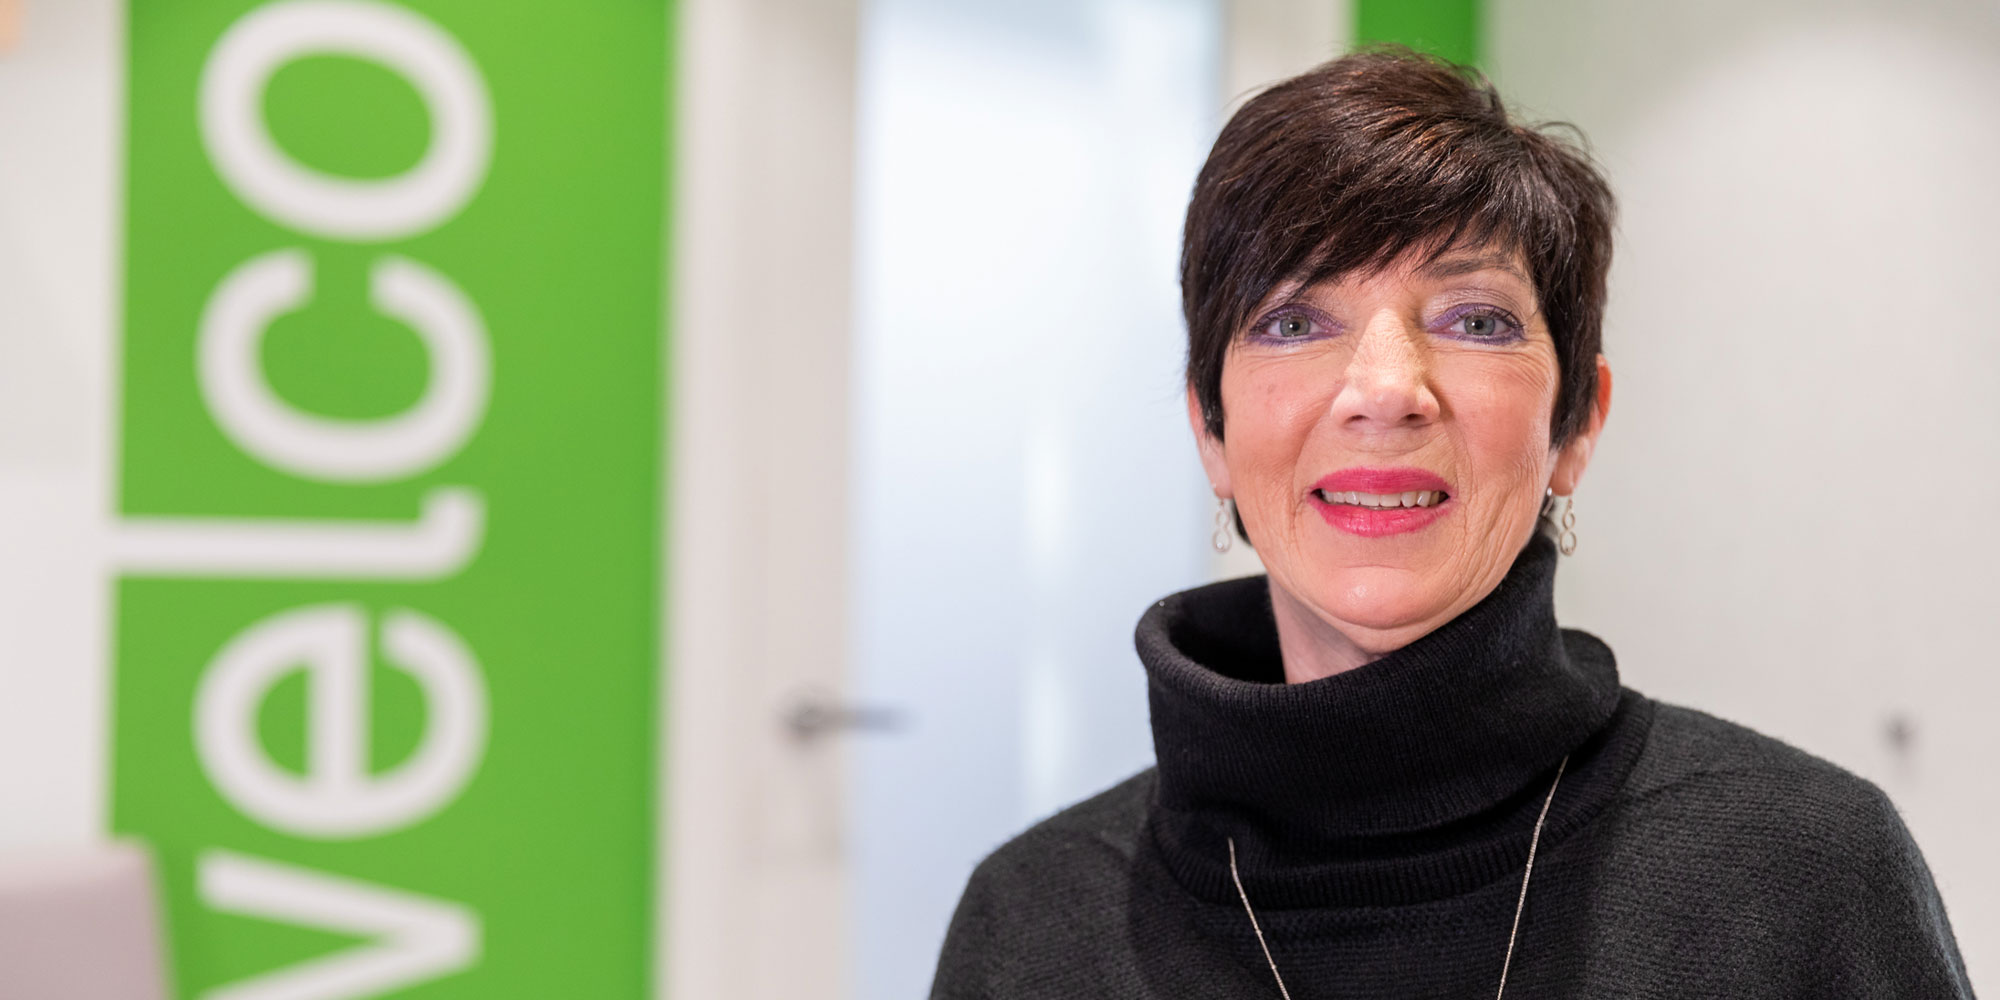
x=608, y=499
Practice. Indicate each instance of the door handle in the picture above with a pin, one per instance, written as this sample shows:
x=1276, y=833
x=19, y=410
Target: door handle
x=815, y=715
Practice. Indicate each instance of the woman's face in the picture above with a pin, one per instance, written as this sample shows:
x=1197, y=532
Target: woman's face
x=1427, y=382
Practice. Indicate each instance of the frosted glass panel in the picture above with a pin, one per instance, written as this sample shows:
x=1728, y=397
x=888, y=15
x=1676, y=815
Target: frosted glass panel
x=1024, y=480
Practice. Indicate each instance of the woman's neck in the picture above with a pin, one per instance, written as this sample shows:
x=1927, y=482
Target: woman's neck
x=1311, y=647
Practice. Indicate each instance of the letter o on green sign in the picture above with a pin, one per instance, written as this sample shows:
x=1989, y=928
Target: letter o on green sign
x=286, y=191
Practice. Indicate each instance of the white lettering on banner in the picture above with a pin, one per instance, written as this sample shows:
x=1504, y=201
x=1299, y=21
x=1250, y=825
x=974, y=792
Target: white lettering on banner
x=415, y=938
x=231, y=371
x=337, y=796
x=232, y=119
x=438, y=544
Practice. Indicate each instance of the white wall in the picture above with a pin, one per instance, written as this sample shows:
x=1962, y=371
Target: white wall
x=62, y=95
x=1790, y=521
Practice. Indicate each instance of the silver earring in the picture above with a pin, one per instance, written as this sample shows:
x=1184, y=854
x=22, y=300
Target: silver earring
x=1224, y=535
x=1566, y=542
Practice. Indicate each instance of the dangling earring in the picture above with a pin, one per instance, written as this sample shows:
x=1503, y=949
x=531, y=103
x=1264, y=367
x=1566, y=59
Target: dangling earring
x=1224, y=536
x=1566, y=542
x=1565, y=538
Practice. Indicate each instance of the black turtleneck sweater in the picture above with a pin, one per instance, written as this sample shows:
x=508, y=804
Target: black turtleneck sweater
x=1382, y=819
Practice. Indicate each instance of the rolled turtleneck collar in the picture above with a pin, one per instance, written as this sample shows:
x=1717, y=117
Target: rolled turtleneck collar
x=1419, y=747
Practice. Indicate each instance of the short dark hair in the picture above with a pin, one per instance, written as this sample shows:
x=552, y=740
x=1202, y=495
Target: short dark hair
x=1351, y=164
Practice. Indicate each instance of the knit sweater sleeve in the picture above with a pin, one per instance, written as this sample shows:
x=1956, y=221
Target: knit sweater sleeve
x=1043, y=916
x=1888, y=938
x=969, y=946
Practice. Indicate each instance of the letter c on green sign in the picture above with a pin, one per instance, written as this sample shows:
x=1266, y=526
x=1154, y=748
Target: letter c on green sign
x=231, y=372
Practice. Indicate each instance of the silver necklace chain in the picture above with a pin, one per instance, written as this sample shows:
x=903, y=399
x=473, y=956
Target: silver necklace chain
x=1519, y=905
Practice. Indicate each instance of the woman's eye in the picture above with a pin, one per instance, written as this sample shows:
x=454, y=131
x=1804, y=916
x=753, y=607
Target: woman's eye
x=1483, y=324
x=1289, y=327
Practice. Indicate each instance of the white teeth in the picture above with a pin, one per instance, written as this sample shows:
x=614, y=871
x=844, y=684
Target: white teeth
x=1385, y=501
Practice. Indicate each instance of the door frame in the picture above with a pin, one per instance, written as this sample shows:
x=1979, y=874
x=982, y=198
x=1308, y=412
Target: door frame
x=752, y=890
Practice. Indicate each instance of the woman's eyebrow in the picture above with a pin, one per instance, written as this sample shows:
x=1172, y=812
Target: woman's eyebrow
x=1451, y=267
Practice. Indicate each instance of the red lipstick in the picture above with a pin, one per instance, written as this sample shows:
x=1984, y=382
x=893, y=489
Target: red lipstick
x=1373, y=522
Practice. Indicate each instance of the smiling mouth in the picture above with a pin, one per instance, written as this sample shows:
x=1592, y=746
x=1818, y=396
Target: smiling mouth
x=1383, y=501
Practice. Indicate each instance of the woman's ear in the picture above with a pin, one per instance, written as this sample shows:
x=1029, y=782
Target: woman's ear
x=1576, y=454
x=1212, y=460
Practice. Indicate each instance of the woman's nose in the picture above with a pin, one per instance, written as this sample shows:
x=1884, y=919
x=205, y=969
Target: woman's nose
x=1388, y=379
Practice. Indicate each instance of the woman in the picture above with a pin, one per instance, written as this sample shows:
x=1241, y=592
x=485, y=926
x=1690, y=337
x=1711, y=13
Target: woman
x=1383, y=770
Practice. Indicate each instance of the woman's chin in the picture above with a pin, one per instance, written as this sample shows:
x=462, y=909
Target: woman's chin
x=1378, y=598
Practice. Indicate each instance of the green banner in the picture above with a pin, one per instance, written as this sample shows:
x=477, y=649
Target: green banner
x=390, y=493
x=1448, y=28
